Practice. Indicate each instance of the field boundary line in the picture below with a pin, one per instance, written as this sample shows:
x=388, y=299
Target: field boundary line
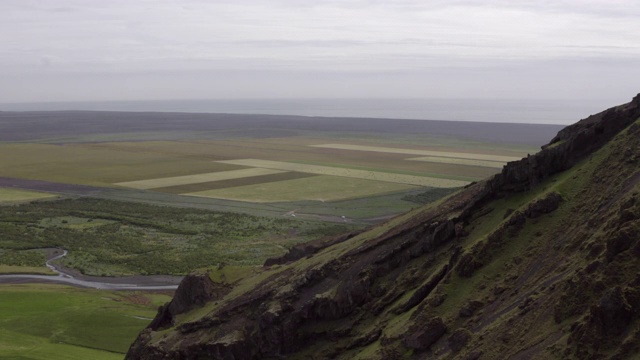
x=457, y=161
x=457, y=155
x=351, y=173
x=197, y=178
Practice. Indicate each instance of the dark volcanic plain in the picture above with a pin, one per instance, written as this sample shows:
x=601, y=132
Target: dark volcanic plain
x=21, y=126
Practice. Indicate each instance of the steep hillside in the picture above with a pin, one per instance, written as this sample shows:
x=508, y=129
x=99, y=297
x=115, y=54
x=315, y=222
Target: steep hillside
x=541, y=261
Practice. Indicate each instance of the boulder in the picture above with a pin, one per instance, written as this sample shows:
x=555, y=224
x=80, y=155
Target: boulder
x=423, y=336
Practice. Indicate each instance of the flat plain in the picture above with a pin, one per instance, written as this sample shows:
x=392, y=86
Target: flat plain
x=8, y=195
x=206, y=155
x=315, y=188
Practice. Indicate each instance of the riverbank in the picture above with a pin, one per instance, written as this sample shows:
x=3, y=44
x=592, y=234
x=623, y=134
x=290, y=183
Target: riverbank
x=72, y=277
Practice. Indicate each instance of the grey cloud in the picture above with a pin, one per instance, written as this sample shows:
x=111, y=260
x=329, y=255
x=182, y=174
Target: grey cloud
x=76, y=49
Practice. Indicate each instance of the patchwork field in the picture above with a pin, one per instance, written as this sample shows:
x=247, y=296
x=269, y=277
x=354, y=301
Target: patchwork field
x=239, y=160
x=265, y=170
x=349, y=173
x=316, y=188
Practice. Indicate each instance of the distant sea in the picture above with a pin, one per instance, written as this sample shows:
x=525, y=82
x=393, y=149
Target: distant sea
x=483, y=110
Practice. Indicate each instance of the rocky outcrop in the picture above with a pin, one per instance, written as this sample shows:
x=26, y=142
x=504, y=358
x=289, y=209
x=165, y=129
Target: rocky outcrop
x=571, y=145
x=194, y=290
x=423, y=335
x=309, y=248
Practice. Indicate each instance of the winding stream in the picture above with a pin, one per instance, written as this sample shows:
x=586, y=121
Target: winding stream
x=137, y=283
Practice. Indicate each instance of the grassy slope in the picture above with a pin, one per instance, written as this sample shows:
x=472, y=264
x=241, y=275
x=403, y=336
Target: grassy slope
x=59, y=322
x=519, y=278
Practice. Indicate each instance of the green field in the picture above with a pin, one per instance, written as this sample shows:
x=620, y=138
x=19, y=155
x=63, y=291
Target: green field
x=59, y=322
x=351, y=179
x=201, y=165
x=16, y=195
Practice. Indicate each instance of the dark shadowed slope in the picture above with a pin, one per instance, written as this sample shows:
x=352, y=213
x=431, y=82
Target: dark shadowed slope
x=540, y=261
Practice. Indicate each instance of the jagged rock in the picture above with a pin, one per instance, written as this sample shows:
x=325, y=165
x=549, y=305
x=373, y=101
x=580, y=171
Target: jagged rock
x=476, y=355
x=508, y=213
x=459, y=339
x=604, y=324
x=612, y=315
x=543, y=206
x=621, y=240
x=309, y=248
x=194, y=290
x=423, y=336
x=470, y=308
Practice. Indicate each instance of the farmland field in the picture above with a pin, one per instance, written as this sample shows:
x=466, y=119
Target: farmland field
x=198, y=154
x=198, y=178
x=16, y=195
x=459, y=155
x=318, y=188
x=470, y=162
x=349, y=173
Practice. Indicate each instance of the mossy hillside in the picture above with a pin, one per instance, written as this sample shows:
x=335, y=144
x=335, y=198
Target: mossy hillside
x=493, y=265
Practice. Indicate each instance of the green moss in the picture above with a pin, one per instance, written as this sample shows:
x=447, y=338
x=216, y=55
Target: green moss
x=230, y=274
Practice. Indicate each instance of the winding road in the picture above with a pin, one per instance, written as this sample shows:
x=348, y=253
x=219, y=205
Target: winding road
x=112, y=283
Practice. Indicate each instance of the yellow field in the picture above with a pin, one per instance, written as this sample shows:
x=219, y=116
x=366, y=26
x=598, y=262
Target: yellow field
x=349, y=173
x=11, y=195
x=93, y=165
x=198, y=178
x=319, y=188
x=447, y=160
x=458, y=155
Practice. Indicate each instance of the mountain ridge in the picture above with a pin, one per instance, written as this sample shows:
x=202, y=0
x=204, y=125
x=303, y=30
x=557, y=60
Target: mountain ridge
x=489, y=272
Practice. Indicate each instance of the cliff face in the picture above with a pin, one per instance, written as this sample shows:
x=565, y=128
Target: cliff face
x=540, y=261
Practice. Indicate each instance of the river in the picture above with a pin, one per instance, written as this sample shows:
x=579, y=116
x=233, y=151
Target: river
x=110, y=283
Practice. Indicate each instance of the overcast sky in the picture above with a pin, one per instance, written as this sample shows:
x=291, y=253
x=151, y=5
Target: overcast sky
x=76, y=50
